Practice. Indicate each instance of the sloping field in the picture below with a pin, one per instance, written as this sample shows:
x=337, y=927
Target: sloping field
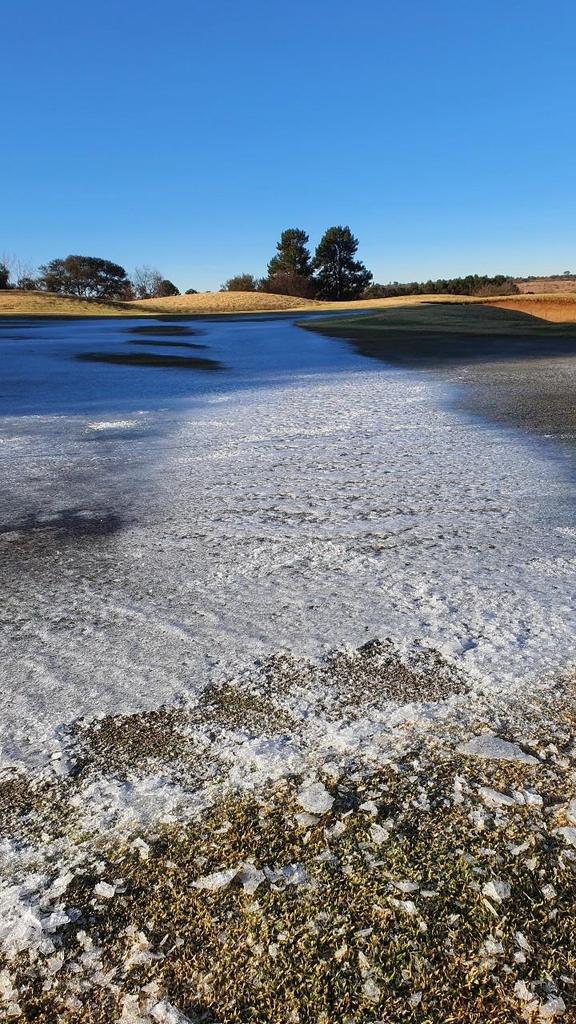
x=15, y=303
x=559, y=308
x=547, y=285
x=223, y=302
x=453, y=331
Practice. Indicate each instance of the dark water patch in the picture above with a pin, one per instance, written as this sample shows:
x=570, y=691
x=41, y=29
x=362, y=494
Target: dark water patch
x=65, y=522
x=150, y=359
x=161, y=329
x=164, y=344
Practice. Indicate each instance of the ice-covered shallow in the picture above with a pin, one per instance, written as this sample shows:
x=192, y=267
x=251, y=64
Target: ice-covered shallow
x=305, y=500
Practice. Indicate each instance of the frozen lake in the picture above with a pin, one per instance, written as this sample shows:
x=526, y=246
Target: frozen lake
x=161, y=527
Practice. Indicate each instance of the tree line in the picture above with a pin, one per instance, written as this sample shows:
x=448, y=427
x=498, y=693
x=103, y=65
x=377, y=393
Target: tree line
x=473, y=284
x=87, y=277
x=332, y=273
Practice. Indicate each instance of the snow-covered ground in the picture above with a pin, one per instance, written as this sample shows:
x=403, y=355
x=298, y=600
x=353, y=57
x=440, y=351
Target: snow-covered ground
x=317, y=512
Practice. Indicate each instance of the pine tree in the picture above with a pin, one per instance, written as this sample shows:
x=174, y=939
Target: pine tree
x=339, y=275
x=290, y=271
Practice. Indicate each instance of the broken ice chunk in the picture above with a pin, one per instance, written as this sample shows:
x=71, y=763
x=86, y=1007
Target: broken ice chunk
x=105, y=890
x=371, y=990
x=217, y=880
x=380, y=833
x=306, y=820
x=406, y=886
x=251, y=878
x=315, y=798
x=494, y=748
x=495, y=799
x=491, y=947
x=142, y=848
x=568, y=834
x=553, y=1007
x=369, y=807
x=522, y=941
x=496, y=890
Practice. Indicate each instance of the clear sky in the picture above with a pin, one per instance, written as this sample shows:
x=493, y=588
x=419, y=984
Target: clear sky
x=188, y=134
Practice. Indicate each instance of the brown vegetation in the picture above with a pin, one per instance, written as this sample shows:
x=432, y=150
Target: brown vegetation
x=547, y=285
x=24, y=303
x=559, y=308
x=21, y=303
x=222, y=302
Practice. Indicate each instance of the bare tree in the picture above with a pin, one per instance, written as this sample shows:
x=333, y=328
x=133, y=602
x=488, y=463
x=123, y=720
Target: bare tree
x=147, y=282
x=23, y=273
x=20, y=272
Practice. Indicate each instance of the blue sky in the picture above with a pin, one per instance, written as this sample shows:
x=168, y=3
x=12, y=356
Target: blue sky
x=188, y=135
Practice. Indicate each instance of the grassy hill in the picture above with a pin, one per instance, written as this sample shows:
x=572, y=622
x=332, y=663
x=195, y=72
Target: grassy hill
x=458, y=330
x=557, y=307
x=16, y=303
x=548, y=285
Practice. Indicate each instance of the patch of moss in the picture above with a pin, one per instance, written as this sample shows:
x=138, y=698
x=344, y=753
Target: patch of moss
x=394, y=929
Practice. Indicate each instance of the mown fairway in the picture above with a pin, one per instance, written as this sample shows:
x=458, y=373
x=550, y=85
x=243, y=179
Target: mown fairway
x=450, y=331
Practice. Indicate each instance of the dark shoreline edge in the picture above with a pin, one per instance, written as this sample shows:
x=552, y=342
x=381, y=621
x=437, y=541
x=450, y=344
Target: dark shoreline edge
x=509, y=368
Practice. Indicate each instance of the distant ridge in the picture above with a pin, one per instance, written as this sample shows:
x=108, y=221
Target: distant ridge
x=557, y=307
x=26, y=303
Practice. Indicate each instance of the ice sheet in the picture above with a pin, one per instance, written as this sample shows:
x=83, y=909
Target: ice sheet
x=320, y=511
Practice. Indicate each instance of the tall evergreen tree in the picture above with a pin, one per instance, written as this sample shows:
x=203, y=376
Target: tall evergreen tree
x=339, y=275
x=292, y=256
x=290, y=271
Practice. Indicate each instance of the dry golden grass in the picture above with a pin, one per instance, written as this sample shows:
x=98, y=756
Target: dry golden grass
x=559, y=308
x=15, y=303
x=547, y=285
x=223, y=302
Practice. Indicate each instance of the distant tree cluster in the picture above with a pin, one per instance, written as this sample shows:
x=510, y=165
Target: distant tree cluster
x=87, y=277
x=333, y=273
x=473, y=284
x=566, y=275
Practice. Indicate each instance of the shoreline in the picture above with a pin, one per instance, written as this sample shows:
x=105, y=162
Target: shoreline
x=518, y=373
